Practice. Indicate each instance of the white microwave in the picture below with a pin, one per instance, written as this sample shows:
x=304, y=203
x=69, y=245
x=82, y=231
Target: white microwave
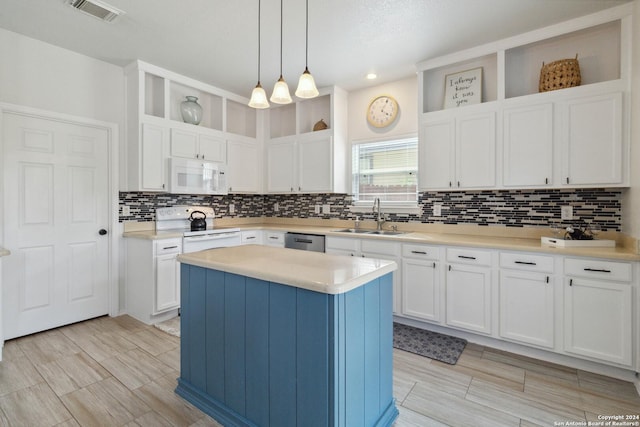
x=197, y=177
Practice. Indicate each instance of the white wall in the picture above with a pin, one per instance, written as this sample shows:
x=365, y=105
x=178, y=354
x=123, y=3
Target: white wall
x=40, y=75
x=631, y=200
x=404, y=91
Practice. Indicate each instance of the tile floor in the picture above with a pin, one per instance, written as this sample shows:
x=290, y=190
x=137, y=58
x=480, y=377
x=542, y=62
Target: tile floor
x=120, y=372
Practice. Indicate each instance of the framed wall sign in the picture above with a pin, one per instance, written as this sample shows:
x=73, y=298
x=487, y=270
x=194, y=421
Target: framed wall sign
x=463, y=88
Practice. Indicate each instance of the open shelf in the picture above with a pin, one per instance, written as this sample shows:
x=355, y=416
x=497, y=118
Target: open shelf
x=282, y=121
x=211, y=105
x=599, y=55
x=312, y=111
x=241, y=119
x=434, y=81
x=153, y=95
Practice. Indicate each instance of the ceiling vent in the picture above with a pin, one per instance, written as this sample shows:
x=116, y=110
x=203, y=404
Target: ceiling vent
x=97, y=9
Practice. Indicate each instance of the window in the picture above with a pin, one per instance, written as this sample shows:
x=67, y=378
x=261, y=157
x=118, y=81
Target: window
x=386, y=170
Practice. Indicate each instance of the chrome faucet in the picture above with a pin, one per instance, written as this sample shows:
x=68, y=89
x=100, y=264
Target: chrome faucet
x=376, y=210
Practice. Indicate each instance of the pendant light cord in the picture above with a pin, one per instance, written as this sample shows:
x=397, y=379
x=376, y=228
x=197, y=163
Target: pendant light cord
x=259, y=9
x=281, y=38
x=306, y=49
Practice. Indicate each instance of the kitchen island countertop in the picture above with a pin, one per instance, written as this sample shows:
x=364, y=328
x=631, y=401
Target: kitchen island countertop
x=319, y=272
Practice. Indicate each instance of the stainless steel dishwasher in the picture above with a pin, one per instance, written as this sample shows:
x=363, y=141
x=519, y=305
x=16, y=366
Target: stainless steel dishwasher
x=305, y=242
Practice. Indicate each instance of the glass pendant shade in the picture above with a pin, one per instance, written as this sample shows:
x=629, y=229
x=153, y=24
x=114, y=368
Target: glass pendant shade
x=281, y=93
x=306, y=86
x=258, y=98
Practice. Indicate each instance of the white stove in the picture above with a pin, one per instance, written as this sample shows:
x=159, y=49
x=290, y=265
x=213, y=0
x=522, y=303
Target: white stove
x=176, y=218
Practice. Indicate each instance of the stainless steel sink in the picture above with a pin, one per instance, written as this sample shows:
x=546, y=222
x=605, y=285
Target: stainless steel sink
x=387, y=232
x=378, y=232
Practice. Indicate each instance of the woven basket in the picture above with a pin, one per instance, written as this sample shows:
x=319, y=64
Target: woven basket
x=321, y=125
x=559, y=74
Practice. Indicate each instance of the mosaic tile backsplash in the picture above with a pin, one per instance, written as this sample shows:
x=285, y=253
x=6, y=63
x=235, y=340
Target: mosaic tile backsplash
x=512, y=208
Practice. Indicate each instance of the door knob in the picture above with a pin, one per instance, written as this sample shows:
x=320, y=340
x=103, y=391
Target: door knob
x=102, y=232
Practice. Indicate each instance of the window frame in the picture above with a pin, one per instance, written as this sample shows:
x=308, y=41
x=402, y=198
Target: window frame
x=406, y=207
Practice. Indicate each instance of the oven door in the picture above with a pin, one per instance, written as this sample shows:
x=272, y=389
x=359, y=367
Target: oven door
x=202, y=242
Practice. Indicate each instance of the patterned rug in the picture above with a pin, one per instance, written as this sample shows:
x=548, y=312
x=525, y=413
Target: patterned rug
x=428, y=344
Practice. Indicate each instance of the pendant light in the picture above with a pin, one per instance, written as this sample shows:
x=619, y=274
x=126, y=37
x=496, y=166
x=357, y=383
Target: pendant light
x=306, y=85
x=280, y=93
x=258, y=96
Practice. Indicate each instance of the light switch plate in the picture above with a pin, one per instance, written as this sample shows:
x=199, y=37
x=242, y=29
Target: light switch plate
x=232, y=208
x=326, y=209
x=437, y=210
x=276, y=207
x=316, y=209
x=126, y=210
x=566, y=212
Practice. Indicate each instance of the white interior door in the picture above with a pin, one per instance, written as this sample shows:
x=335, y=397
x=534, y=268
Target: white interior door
x=56, y=201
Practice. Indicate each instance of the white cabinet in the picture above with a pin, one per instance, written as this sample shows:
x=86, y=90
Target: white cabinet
x=528, y=145
x=468, y=290
x=594, y=140
x=598, y=313
x=194, y=145
x=527, y=311
x=274, y=238
x=244, y=166
x=459, y=152
x=299, y=159
x=573, y=137
x=421, y=282
x=371, y=248
x=251, y=237
x=152, y=279
x=153, y=97
x=152, y=152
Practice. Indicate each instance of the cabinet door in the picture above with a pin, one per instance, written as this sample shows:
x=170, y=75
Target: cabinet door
x=243, y=167
x=280, y=167
x=184, y=144
x=152, y=160
x=594, y=140
x=476, y=151
x=468, y=295
x=436, y=154
x=167, y=283
x=315, y=165
x=388, y=251
x=526, y=307
x=597, y=319
x=212, y=148
x=528, y=145
x=420, y=289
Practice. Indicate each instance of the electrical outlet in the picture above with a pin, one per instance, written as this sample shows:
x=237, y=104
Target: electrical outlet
x=126, y=210
x=437, y=210
x=566, y=212
x=326, y=209
x=316, y=209
x=232, y=208
x=276, y=207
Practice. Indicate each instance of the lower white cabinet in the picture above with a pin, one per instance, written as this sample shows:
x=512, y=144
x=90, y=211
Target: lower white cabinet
x=153, y=278
x=468, y=290
x=598, y=313
x=251, y=237
x=274, y=238
x=421, y=282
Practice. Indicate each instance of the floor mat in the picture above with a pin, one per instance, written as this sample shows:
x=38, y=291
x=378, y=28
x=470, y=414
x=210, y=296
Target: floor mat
x=429, y=344
x=171, y=326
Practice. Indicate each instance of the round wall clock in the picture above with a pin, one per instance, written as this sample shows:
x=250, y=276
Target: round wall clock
x=382, y=111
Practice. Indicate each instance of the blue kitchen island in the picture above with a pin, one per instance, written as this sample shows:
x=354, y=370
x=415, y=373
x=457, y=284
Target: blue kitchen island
x=281, y=337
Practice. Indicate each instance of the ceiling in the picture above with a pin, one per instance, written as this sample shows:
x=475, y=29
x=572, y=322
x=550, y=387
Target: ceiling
x=215, y=41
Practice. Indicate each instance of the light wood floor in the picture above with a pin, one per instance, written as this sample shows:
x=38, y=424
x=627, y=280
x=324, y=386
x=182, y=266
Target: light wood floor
x=120, y=372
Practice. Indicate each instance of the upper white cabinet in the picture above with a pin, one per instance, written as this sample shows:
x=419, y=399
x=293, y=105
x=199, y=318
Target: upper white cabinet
x=244, y=165
x=299, y=159
x=154, y=96
x=576, y=137
x=459, y=152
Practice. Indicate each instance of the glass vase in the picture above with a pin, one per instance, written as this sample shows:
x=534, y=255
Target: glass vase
x=191, y=111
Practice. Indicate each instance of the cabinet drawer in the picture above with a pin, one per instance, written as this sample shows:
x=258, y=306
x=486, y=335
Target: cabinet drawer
x=275, y=238
x=379, y=247
x=168, y=246
x=250, y=236
x=342, y=243
x=598, y=269
x=468, y=256
x=421, y=252
x=527, y=262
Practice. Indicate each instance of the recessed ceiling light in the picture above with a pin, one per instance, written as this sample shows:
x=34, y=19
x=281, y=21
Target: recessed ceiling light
x=372, y=76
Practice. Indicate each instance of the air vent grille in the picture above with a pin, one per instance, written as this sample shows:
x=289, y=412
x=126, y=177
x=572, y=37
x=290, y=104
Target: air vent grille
x=96, y=9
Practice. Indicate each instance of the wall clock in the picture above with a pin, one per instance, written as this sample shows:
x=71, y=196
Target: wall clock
x=382, y=111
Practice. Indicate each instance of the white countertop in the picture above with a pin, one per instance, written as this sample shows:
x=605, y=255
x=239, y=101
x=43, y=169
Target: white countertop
x=329, y=274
